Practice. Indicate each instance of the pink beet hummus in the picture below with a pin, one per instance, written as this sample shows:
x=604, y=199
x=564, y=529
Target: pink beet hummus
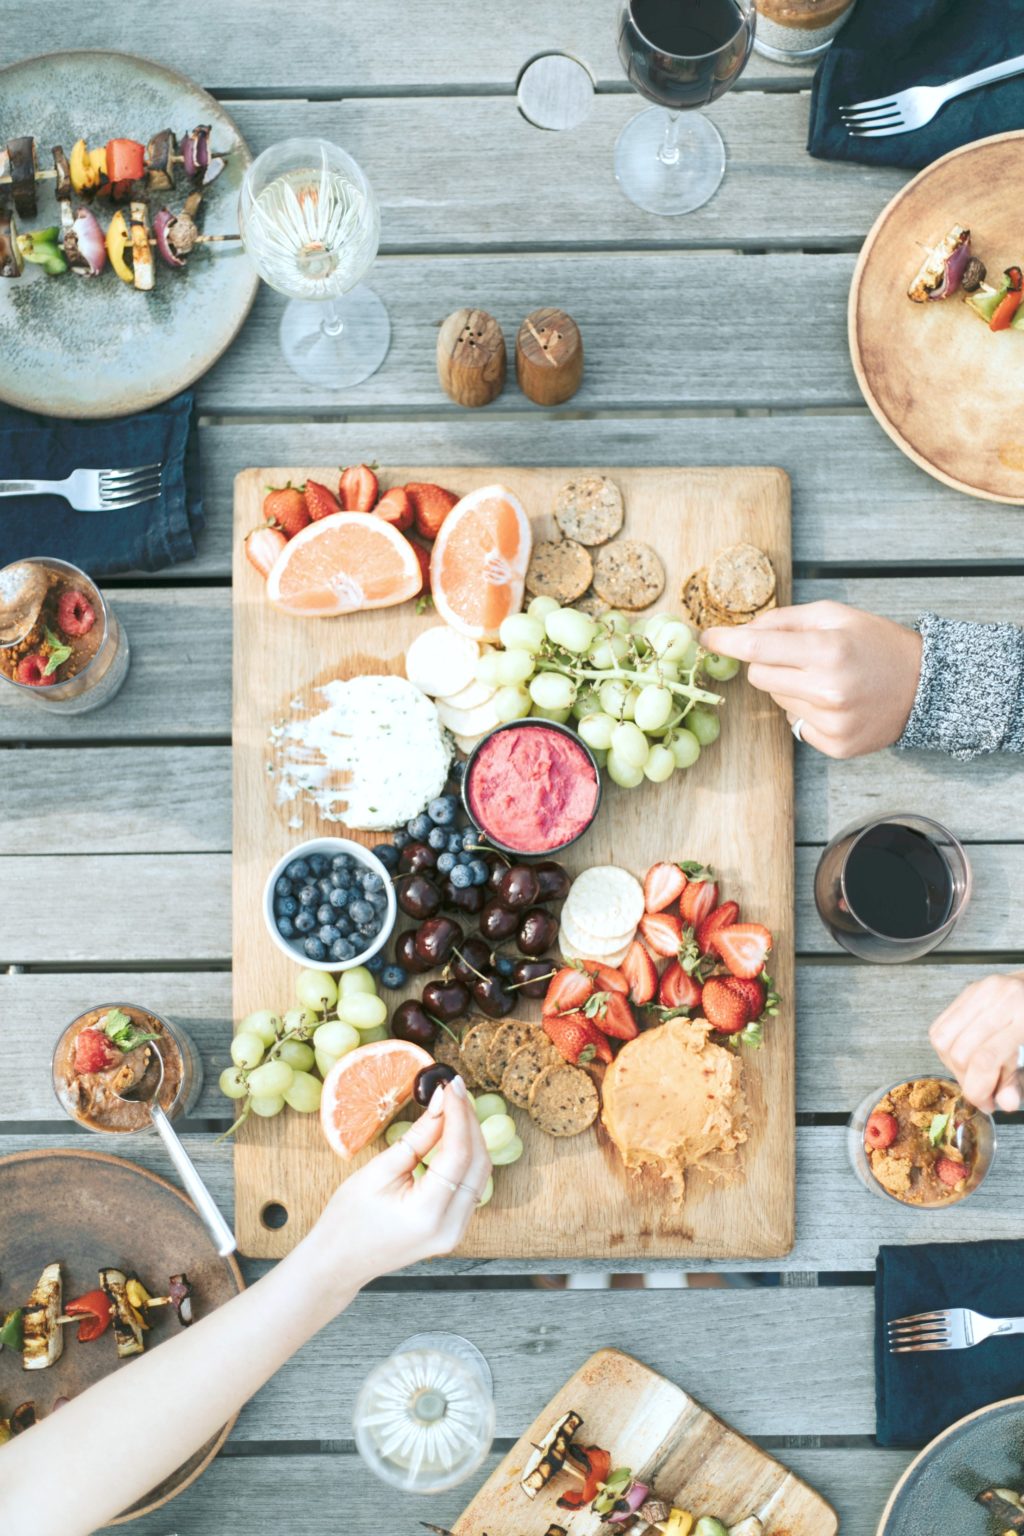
x=531, y=788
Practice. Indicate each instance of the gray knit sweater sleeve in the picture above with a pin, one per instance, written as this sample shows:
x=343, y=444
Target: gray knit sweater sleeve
x=970, y=696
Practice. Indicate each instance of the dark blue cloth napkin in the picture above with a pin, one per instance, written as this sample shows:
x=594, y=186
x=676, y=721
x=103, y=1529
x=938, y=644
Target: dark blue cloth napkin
x=918, y=1396
x=890, y=44
x=143, y=538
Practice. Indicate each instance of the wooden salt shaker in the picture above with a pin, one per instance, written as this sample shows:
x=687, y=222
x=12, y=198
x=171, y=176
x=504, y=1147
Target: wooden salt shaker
x=471, y=357
x=549, y=356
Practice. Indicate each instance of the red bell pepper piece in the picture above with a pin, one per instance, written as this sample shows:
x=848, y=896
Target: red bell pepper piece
x=595, y=1465
x=126, y=162
x=94, y=1309
x=1010, y=302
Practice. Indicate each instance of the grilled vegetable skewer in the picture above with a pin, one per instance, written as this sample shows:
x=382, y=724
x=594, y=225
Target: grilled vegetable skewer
x=121, y=167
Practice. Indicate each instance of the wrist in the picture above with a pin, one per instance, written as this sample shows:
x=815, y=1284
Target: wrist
x=330, y=1274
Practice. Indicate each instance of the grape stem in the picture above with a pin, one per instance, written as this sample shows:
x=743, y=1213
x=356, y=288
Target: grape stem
x=623, y=674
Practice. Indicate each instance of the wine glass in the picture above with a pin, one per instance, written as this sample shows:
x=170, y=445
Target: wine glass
x=681, y=54
x=311, y=227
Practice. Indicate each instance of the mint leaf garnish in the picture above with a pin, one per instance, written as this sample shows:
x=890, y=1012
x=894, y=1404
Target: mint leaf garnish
x=59, y=653
x=938, y=1128
x=124, y=1033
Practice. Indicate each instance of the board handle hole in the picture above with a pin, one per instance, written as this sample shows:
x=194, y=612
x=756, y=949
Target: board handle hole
x=274, y=1215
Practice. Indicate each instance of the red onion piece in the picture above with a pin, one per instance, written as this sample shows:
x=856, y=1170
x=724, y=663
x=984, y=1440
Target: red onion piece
x=84, y=245
x=953, y=270
x=163, y=223
x=636, y=1496
x=188, y=154
x=202, y=134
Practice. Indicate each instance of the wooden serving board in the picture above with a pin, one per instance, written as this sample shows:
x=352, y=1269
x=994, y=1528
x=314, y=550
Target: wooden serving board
x=685, y=1455
x=734, y=810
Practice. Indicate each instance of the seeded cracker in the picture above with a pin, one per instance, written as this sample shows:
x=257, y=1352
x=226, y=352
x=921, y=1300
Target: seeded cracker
x=740, y=579
x=589, y=509
x=525, y=1066
x=628, y=574
x=509, y=1038
x=476, y=1043
x=564, y=1101
x=448, y=1052
x=559, y=568
x=592, y=604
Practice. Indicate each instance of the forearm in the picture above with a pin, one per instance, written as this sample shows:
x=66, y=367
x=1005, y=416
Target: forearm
x=970, y=697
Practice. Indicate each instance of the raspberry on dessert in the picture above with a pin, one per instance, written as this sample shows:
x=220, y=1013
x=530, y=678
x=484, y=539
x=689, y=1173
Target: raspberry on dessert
x=32, y=670
x=93, y=1051
x=881, y=1130
x=951, y=1172
x=75, y=614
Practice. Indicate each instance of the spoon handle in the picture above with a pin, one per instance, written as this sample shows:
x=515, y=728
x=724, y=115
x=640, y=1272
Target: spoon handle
x=204, y=1202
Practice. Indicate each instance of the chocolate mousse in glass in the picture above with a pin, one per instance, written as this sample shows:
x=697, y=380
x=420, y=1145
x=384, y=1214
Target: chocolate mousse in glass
x=791, y=31
x=60, y=642
x=106, y=1051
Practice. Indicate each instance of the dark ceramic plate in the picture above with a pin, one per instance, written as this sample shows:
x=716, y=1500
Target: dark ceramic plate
x=88, y=1209
x=937, y=1491
x=77, y=346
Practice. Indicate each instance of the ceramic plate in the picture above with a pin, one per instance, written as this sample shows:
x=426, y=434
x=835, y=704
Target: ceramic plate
x=937, y=1491
x=87, y=1209
x=76, y=346
x=947, y=390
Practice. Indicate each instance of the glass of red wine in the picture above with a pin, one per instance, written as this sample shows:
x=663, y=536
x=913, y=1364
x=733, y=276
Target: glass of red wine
x=892, y=888
x=682, y=55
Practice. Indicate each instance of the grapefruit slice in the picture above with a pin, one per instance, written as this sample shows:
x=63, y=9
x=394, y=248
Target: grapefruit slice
x=479, y=561
x=343, y=563
x=365, y=1089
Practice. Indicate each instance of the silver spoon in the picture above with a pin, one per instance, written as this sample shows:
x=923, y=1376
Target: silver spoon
x=146, y=1090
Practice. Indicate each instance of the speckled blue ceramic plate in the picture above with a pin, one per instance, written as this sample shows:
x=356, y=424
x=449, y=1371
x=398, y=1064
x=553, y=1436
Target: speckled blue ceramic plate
x=76, y=346
x=937, y=1491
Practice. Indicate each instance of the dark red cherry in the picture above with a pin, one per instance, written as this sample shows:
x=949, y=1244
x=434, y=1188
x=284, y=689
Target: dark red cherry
x=497, y=922
x=429, y=1080
x=405, y=952
x=410, y=1022
x=418, y=896
x=467, y=898
x=537, y=932
x=518, y=887
x=493, y=997
x=436, y=938
x=554, y=882
x=446, y=1000
x=532, y=977
x=417, y=857
x=472, y=961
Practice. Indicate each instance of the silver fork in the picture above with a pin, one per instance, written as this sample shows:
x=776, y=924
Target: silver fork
x=95, y=490
x=906, y=110
x=951, y=1328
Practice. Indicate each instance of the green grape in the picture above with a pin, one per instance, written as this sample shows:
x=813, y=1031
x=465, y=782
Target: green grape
x=265, y=1024
x=673, y=640
x=617, y=622
x=489, y=1104
x=660, y=765
x=587, y=703
x=600, y=757
x=623, y=774
x=508, y=1154
x=363, y=1011
x=396, y=1130
x=232, y=1084
x=336, y=1039
x=324, y=1061
x=550, y=690
x=428, y=1157
x=704, y=723
x=300, y=1018
x=419, y=1171
x=721, y=668
x=247, y=1050
x=358, y=982
x=614, y=696
x=558, y=716
x=299, y=1056
x=487, y=669
x=316, y=989
x=485, y=1198
x=272, y=1078
x=608, y=651
x=522, y=632
x=268, y=1106
x=511, y=704
x=596, y=730
x=368, y=1036
x=498, y=1131
x=653, y=709
x=514, y=667
x=540, y=607
x=570, y=629
x=629, y=744
x=658, y=672
x=303, y=1093
x=684, y=746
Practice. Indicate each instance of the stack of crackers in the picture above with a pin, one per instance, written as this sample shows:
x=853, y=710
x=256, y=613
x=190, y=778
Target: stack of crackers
x=589, y=564
x=734, y=588
x=520, y=1062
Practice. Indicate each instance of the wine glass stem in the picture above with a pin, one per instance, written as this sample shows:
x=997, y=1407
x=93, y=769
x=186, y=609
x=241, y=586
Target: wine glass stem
x=668, y=154
x=332, y=324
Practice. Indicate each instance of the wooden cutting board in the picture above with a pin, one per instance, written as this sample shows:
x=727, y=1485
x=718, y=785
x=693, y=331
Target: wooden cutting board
x=734, y=810
x=685, y=1455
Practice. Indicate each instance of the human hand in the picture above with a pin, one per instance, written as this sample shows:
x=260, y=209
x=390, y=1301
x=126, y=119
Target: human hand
x=979, y=1037
x=851, y=677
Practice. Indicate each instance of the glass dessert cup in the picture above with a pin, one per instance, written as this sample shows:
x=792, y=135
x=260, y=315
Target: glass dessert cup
x=793, y=31
x=96, y=683
x=183, y=1073
x=977, y=1143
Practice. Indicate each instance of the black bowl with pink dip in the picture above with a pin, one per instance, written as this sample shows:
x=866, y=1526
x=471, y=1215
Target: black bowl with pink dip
x=532, y=787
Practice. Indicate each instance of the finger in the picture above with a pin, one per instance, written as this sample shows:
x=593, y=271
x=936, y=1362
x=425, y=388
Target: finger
x=461, y=1143
x=802, y=616
x=814, y=736
x=749, y=642
x=405, y=1154
x=970, y=1029
x=790, y=682
x=1008, y=1097
x=952, y=1020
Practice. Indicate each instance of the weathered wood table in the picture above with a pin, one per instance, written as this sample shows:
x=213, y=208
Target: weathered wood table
x=719, y=338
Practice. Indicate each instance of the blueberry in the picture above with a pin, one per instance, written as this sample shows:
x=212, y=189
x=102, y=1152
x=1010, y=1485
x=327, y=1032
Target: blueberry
x=309, y=896
x=387, y=853
x=394, y=976
x=419, y=827
x=442, y=810
x=325, y=913
x=465, y=857
x=375, y=964
x=314, y=949
x=285, y=927
x=458, y=771
x=319, y=864
x=454, y=843
x=282, y=886
x=469, y=839
x=343, y=923
x=378, y=901
x=329, y=934
x=437, y=837
x=367, y=931
x=361, y=912
x=341, y=861
x=324, y=886
x=371, y=881
x=297, y=870
x=339, y=898
x=341, y=949
x=305, y=922
x=478, y=869
x=340, y=880
x=504, y=965
x=286, y=906
x=400, y=839
x=461, y=877
x=445, y=863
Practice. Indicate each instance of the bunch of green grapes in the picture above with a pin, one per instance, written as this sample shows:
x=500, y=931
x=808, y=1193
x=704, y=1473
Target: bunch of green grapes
x=498, y=1130
x=632, y=688
x=274, y=1057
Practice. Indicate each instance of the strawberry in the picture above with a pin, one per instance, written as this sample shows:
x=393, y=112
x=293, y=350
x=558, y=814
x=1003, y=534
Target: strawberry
x=678, y=989
x=430, y=506
x=357, y=489
x=423, y=556
x=662, y=932
x=75, y=614
x=641, y=973
x=395, y=507
x=320, y=502
x=753, y=991
x=744, y=947
x=577, y=1038
x=262, y=547
x=93, y=1051
x=721, y=917
x=725, y=1005
x=568, y=989
x=608, y=979
x=611, y=1012
x=663, y=884
x=951, y=1172
x=881, y=1131
x=286, y=509
x=698, y=900
x=31, y=669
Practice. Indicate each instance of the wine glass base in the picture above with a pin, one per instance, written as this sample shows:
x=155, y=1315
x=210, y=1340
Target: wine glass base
x=681, y=187
x=336, y=362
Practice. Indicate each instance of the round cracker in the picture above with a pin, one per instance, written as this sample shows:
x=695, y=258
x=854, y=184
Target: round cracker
x=559, y=568
x=628, y=574
x=509, y=1038
x=695, y=596
x=588, y=945
x=569, y=951
x=592, y=604
x=605, y=901
x=525, y=1066
x=564, y=1100
x=740, y=579
x=476, y=1043
x=589, y=509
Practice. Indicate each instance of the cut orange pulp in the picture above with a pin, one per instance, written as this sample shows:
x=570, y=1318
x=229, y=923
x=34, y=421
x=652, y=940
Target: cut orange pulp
x=343, y=563
x=479, y=561
x=365, y=1089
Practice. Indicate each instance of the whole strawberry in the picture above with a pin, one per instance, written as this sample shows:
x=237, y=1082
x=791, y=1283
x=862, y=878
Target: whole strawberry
x=577, y=1038
x=726, y=1004
x=320, y=502
x=286, y=509
x=430, y=506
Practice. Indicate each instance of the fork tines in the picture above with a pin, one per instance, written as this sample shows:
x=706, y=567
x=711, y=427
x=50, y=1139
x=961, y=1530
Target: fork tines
x=923, y=1331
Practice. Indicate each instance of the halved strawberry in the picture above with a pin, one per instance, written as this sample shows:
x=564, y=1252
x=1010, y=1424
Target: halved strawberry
x=677, y=989
x=744, y=947
x=577, y=1038
x=262, y=547
x=320, y=502
x=662, y=932
x=641, y=973
x=395, y=507
x=725, y=1004
x=698, y=900
x=721, y=917
x=608, y=979
x=94, y=1052
x=357, y=489
x=430, y=506
x=611, y=1012
x=568, y=989
x=663, y=884
x=423, y=556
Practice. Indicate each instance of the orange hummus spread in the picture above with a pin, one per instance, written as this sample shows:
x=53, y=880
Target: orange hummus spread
x=673, y=1100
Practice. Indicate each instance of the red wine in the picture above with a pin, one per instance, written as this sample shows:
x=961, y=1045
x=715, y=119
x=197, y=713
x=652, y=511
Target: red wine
x=898, y=882
x=687, y=28
x=684, y=53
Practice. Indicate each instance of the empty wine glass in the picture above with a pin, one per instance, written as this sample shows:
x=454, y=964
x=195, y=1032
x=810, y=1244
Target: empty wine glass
x=681, y=54
x=311, y=227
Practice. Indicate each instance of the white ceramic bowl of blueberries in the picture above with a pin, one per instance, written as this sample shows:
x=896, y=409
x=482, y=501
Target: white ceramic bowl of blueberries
x=330, y=903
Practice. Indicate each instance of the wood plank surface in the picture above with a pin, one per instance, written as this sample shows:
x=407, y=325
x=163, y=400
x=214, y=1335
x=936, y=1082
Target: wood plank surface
x=287, y=1162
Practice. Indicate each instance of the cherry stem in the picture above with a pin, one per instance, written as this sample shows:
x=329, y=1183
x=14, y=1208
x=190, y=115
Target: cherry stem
x=513, y=986
x=478, y=974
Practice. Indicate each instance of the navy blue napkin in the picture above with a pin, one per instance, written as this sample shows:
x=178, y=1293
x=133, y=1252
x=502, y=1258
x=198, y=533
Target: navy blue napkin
x=918, y=1396
x=143, y=538
x=890, y=44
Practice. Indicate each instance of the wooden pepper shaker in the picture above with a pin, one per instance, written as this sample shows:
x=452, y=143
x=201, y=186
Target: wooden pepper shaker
x=549, y=356
x=471, y=357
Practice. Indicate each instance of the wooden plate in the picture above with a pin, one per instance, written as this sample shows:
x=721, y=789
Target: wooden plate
x=88, y=1209
x=937, y=1491
x=947, y=390
x=84, y=347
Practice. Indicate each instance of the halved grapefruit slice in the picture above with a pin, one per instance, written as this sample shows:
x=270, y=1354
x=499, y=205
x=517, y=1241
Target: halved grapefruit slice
x=343, y=563
x=365, y=1089
x=479, y=561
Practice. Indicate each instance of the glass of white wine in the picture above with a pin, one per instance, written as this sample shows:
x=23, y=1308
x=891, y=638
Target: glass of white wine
x=311, y=227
